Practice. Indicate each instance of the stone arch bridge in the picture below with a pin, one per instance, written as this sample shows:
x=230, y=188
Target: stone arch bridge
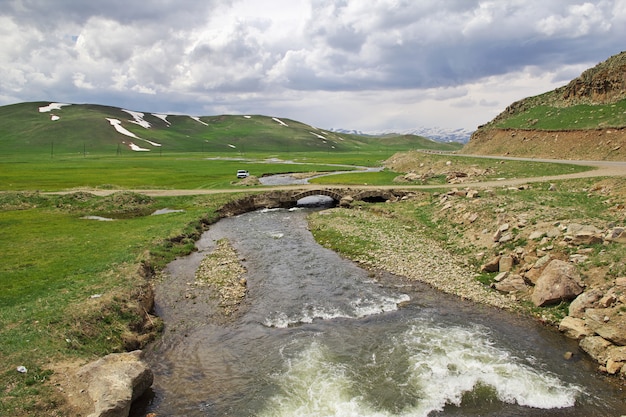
x=290, y=198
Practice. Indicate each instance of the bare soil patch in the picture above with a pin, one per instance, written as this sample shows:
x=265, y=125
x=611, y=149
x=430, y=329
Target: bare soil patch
x=592, y=144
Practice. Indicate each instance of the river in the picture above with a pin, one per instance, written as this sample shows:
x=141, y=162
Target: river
x=318, y=336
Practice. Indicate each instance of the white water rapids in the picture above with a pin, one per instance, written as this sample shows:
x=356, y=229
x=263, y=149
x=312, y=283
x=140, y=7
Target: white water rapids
x=319, y=337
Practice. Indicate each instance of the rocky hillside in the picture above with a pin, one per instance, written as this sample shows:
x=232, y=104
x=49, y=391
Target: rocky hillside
x=585, y=119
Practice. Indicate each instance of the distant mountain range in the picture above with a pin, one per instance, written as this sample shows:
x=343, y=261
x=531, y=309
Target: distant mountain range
x=438, y=134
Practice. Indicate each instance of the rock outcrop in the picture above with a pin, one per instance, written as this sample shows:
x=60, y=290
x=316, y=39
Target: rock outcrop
x=114, y=382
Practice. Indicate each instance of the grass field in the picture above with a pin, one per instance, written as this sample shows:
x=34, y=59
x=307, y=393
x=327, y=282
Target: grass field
x=180, y=171
x=52, y=260
x=582, y=116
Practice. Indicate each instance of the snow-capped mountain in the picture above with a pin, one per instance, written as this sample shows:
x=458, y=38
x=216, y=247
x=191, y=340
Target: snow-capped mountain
x=438, y=134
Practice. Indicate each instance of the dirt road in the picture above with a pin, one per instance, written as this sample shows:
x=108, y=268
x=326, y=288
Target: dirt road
x=601, y=169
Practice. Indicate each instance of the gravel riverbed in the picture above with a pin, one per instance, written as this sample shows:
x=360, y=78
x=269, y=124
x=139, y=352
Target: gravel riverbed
x=384, y=243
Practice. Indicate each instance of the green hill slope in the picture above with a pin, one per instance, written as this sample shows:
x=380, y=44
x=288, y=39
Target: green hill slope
x=585, y=119
x=595, y=99
x=42, y=127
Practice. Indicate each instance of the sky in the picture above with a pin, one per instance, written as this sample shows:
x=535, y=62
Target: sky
x=368, y=65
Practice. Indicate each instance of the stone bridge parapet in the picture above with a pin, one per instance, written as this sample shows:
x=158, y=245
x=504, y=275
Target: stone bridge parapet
x=342, y=196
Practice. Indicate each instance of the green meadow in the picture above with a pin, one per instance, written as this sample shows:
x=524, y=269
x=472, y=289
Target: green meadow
x=68, y=284
x=581, y=116
x=142, y=171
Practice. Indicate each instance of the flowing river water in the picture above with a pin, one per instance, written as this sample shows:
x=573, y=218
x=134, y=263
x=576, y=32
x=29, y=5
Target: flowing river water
x=319, y=336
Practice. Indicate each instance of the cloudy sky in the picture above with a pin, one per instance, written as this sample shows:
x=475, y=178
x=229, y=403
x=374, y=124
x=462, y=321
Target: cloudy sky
x=354, y=64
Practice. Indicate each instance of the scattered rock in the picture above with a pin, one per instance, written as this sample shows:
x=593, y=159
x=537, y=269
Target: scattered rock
x=346, y=201
x=574, y=328
x=472, y=194
x=607, y=301
x=578, y=234
x=506, y=237
x=506, y=263
x=543, y=261
x=472, y=217
x=586, y=300
x=617, y=234
x=577, y=258
x=492, y=266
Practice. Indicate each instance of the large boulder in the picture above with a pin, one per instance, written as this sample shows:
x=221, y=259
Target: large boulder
x=596, y=347
x=511, y=283
x=586, y=300
x=578, y=234
x=608, y=323
x=533, y=274
x=559, y=281
x=114, y=382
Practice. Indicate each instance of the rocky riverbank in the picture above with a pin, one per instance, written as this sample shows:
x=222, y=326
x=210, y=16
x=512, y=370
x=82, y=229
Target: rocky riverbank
x=506, y=248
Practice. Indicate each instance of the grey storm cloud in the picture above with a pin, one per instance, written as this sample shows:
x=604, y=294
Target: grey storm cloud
x=230, y=55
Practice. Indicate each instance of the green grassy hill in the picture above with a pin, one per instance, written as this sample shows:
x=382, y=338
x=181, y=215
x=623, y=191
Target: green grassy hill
x=84, y=128
x=585, y=119
x=595, y=99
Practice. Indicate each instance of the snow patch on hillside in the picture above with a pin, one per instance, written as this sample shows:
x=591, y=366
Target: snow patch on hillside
x=137, y=148
x=277, y=120
x=138, y=118
x=52, y=106
x=117, y=124
x=197, y=119
x=162, y=117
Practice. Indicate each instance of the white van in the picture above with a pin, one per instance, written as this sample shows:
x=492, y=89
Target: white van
x=242, y=173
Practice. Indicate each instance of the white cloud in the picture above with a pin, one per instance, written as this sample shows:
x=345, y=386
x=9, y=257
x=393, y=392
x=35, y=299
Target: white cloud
x=578, y=20
x=79, y=81
x=377, y=63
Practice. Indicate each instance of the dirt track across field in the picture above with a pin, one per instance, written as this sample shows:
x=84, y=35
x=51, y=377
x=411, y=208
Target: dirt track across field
x=602, y=169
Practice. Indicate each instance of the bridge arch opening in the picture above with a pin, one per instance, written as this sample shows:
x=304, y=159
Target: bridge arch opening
x=316, y=200
x=374, y=199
